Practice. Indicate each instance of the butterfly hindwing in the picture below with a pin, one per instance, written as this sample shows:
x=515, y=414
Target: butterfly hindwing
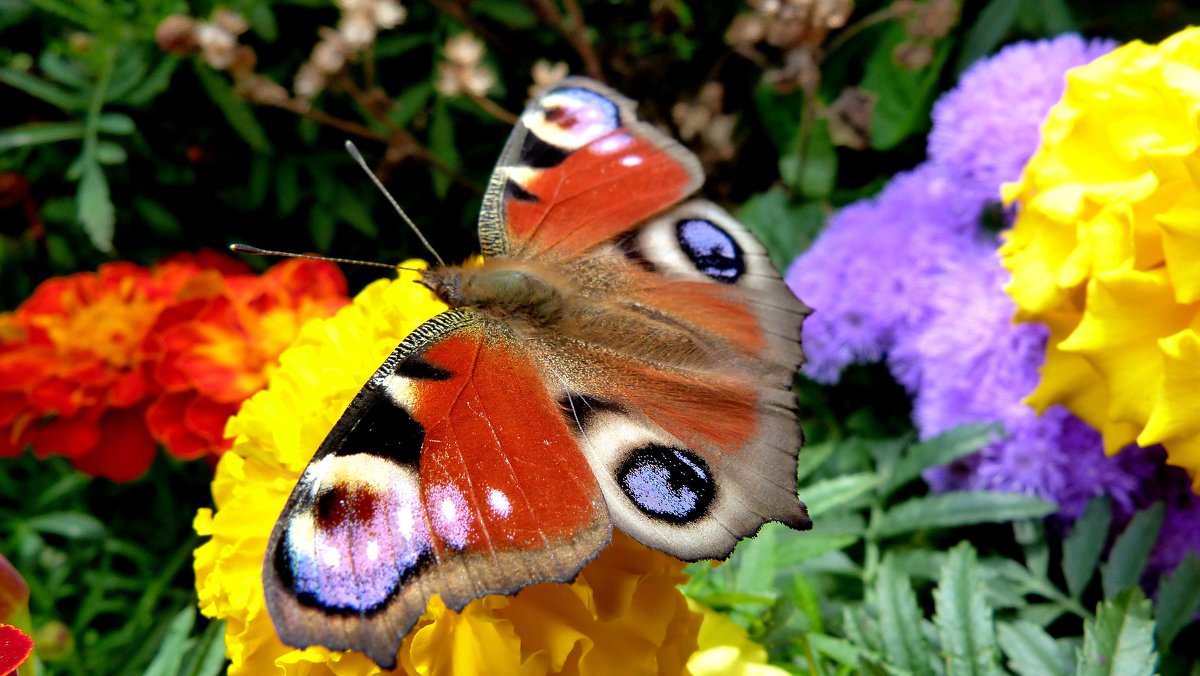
x=453, y=473
x=697, y=451
x=579, y=169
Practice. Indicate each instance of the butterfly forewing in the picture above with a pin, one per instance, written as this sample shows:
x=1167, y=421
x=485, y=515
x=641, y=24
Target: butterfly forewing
x=580, y=169
x=453, y=472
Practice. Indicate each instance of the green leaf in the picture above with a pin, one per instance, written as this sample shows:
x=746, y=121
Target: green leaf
x=1082, y=548
x=993, y=23
x=756, y=562
x=1131, y=551
x=71, y=525
x=169, y=659
x=812, y=174
x=1030, y=650
x=780, y=114
x=900, y=621
x=63, y=71
x=129, y=72
x=1047, y=17
x=95, y=208
x=785, y=228
x=206, y=656
x=158, y=217
x=963, y=616
x=355, y=211
x=262, y=22
x=514, y=15
x=940, y=450
x=38, y=133
x=809, y=546
x=812, y=457
x=287, y=188
x=411, y=100
x=322, y=226
x=441, y=145
x=40, y=89
x=959, y=509
x=116, y=123
x=837, y=649
x=394, y=44
x=108, y=152
x=150, y=86
x=1120, y=640
x=826, y=496
x=237, y=112
x=904, y=94
x=1178, y=600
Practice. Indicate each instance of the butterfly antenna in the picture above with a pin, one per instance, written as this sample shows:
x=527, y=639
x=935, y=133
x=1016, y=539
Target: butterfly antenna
x=255, y=251
x=353, y=150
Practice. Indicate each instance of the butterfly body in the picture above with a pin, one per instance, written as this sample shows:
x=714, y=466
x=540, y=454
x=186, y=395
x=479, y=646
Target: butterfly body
x=617, y=359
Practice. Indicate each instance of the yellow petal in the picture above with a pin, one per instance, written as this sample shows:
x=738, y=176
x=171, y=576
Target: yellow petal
x=1181, y=245
x=1176, y=414
x=726, y=649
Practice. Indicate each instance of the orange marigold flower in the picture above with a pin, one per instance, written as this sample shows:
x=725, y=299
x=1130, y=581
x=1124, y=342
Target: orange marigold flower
x=218, y=344
x=89, y=356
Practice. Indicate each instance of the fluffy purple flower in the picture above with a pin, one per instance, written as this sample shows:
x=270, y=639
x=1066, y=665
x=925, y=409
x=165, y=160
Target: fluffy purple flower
x=1180, y=532
x=867, y=275
x=986, y=128
x=974, y=364
x=910, y=276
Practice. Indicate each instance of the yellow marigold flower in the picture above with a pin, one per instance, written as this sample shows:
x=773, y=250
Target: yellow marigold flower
x=727, y=650
x=623, y=613
x=1106, y=247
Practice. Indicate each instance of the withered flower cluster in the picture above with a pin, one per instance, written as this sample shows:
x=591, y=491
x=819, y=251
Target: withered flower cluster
x=796, y=27
x=704, y=126
x=463, y=71
x=217, y=43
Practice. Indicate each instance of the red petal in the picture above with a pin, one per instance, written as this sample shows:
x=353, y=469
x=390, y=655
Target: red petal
x=166, y=413
x=58, y=396
x=125, y=449
x=72, y=437
x=11, y=406
x=165, y=419
x=207, y=418
x=15, y=648
x=22, y=369
x=128, y=389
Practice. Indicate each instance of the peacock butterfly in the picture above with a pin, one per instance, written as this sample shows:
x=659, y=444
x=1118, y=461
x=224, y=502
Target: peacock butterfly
x=619, y=359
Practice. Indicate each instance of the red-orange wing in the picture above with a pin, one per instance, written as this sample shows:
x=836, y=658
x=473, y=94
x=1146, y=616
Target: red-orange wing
x=579, y=170
x=454, y=473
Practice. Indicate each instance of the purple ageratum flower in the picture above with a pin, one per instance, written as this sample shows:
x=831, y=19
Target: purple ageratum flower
x=867, y=275
x=986, y=128
x=1180, y=532
x=976, y=365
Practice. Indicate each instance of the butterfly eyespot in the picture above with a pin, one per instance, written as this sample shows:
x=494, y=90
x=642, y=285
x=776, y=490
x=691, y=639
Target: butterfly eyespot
x=712, y=250
x=364, y=539
x=670, y=484
x=570, y=118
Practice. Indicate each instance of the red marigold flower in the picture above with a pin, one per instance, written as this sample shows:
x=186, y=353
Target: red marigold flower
x=101, y=367
x=15, y=648
x=218, y=344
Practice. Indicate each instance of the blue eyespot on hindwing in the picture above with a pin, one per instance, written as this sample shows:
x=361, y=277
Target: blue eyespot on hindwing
x=670, y=484
x=712, y=250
